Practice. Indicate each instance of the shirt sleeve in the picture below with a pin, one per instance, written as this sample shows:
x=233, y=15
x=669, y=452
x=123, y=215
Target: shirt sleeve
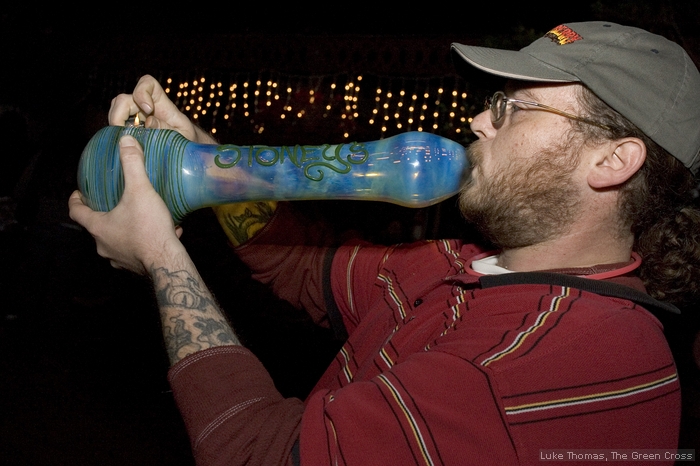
x=292, y=256
x=233, y=413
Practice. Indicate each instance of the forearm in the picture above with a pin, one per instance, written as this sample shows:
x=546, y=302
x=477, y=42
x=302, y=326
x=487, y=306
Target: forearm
x=291, y=257
x=244, y=220
x=192, y=320
x=232, y=410
x=233, y=414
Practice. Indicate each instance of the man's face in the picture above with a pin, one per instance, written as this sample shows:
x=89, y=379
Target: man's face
x=525, y=187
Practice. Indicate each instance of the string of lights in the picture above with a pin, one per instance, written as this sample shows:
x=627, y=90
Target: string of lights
x=380, y=104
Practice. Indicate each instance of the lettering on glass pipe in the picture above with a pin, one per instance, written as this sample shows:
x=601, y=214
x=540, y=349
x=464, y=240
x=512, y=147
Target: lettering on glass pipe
x=311, y=159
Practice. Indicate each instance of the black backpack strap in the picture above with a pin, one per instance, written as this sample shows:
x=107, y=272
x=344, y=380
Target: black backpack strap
x=296, y=456
x=601, y=287
x=336, y=319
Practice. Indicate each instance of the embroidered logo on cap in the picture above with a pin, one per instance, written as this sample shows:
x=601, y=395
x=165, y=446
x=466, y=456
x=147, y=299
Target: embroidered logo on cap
x=563, y=35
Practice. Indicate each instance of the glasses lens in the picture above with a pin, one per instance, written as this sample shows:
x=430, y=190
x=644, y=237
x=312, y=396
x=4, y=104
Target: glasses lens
x=498, y=106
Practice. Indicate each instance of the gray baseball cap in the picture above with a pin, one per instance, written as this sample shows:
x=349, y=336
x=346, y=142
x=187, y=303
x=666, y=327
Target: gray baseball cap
x=648, y=79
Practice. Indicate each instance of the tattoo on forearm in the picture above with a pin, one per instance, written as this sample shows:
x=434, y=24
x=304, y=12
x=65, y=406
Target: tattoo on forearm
x=213, y=332
x=181, y=289
x=192, y=321
x=242, y=227
x=178, y=337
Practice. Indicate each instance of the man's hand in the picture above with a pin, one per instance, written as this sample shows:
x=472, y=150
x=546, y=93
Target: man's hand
x=139, y=235
x=139, y=232
x=150, y=101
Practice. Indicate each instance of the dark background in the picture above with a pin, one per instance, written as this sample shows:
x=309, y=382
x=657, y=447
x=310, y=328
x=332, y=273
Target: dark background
x=82, y=365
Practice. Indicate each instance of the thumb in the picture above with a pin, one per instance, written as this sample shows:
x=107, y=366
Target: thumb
x=133, y=161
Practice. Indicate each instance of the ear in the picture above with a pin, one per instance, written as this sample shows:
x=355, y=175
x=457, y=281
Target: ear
x=616, y=162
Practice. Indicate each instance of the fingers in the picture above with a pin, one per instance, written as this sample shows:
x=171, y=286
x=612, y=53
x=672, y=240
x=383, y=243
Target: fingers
x=155, y=123
x=77, y=210
x=123, y=106
x=152, y=104
x=132, y=160
x=146, y=95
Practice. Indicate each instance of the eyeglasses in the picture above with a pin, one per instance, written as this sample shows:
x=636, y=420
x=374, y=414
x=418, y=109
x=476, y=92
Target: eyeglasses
x=498, y=104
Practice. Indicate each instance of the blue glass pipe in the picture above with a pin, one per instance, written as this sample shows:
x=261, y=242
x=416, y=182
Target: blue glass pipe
x=413, y=169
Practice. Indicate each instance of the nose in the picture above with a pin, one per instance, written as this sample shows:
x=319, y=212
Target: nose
x=482, y=125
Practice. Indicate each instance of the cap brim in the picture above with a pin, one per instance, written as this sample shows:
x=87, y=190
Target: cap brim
x=510, y=64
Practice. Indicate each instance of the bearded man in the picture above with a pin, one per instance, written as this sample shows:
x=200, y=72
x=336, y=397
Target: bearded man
x=454, y=354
